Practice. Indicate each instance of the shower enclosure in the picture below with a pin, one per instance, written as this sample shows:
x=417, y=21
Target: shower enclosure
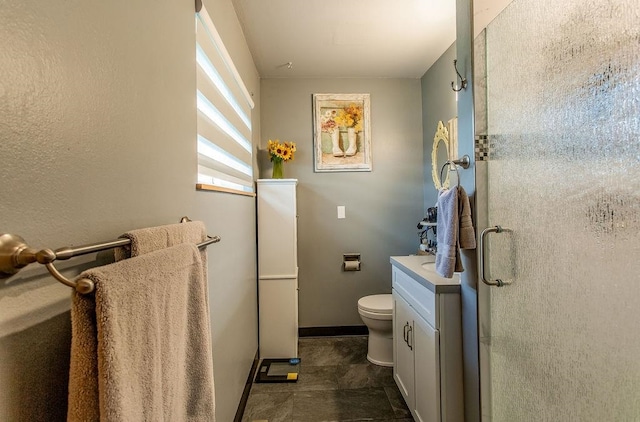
x=557, y=94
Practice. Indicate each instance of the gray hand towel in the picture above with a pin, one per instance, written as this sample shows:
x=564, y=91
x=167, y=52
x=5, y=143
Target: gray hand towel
x=447, y=232
x=141, y=345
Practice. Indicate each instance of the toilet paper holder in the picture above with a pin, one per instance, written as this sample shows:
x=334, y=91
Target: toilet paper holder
x=351, y=262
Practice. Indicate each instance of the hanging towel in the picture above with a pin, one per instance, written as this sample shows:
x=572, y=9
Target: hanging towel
x=155, y=238
x=160, y=237
x=447, y=232
x=141, y=345
x=466, y=234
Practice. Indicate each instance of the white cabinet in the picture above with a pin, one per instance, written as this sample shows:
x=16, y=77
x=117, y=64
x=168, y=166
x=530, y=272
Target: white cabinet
x=403, y=368
x=277, y=268
x=427, y=344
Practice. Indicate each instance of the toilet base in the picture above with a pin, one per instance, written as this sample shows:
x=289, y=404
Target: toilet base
x=377, y=362
x=380, y=349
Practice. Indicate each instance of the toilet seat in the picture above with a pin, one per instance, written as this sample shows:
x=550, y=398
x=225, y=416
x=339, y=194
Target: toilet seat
x=376, y=304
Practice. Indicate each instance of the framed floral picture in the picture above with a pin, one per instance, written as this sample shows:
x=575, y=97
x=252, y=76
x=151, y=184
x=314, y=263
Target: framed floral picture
x=342, y=132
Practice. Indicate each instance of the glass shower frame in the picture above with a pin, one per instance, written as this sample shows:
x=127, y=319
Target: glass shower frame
x=557, y=123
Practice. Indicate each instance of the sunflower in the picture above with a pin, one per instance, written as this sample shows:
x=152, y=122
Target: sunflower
x=350, y=116
x=281, y=150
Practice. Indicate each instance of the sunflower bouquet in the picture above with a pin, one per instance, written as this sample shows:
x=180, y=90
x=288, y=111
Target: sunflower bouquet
x=280, y=152
x=350, y=116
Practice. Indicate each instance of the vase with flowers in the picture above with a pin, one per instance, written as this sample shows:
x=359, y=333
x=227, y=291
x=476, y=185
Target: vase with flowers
x=280, y=152
x=350, y=118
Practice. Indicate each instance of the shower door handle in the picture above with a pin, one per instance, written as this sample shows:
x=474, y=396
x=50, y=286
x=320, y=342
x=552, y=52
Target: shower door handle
x=497, y=282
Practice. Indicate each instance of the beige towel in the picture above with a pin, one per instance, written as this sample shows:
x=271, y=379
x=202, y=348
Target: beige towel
x=141, y=345
x=466, y=233
x=155, y=238
x=160, y=237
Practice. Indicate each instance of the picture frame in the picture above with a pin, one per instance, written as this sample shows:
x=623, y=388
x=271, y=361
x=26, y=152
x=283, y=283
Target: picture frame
x=342, y=132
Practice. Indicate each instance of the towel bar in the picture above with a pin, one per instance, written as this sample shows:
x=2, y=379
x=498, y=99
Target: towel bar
x=16, y=254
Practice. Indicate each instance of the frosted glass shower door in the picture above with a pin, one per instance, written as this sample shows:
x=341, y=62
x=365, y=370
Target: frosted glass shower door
x=562, y=171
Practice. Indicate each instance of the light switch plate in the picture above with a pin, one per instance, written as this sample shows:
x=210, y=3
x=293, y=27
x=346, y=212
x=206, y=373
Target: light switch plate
x=341, y=211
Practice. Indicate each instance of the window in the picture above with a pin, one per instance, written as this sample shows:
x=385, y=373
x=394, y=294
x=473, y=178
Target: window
x=224, y=106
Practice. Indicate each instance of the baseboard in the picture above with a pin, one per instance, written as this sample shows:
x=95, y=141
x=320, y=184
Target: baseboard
x=247, y=388
x=345, y=330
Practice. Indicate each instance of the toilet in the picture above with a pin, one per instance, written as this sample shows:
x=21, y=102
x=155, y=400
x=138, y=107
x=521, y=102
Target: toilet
x=376, y=312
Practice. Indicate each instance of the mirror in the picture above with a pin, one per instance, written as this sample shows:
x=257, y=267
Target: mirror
x=439, y=156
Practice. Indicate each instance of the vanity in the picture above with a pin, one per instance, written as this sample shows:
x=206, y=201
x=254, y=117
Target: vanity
x=427, y=339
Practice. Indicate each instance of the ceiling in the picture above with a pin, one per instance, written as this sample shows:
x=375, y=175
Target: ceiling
x=352, y=38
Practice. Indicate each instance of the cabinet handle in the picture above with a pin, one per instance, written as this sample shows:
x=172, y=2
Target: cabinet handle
x=410, y=331
x=404, y=334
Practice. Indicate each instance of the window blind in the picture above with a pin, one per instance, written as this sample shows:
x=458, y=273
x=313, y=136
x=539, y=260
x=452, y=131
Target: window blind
x=225, y=155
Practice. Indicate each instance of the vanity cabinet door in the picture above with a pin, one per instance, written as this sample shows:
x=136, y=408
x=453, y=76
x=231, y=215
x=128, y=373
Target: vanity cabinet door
x=403, y=370
x=427, y=371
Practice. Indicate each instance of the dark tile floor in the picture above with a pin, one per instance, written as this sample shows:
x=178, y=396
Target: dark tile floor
x=335, y=383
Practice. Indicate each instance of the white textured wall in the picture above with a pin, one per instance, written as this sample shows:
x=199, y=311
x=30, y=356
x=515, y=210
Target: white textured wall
x=97, y=130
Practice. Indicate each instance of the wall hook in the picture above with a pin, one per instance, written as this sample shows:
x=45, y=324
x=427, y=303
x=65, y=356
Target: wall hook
x=463, y=81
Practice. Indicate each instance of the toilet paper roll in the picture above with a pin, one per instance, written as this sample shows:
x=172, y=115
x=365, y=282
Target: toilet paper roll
x=352, y=265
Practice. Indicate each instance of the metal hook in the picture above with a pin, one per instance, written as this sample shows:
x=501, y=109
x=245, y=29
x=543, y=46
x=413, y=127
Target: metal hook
x=463, y=81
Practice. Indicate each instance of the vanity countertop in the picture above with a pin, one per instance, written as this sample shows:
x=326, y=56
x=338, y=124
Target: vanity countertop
x=412, y=266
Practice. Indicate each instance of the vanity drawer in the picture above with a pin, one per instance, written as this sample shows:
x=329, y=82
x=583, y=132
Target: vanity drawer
x=419, y=297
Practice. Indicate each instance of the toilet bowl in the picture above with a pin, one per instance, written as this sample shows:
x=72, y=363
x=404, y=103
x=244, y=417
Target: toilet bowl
x=376, y=312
